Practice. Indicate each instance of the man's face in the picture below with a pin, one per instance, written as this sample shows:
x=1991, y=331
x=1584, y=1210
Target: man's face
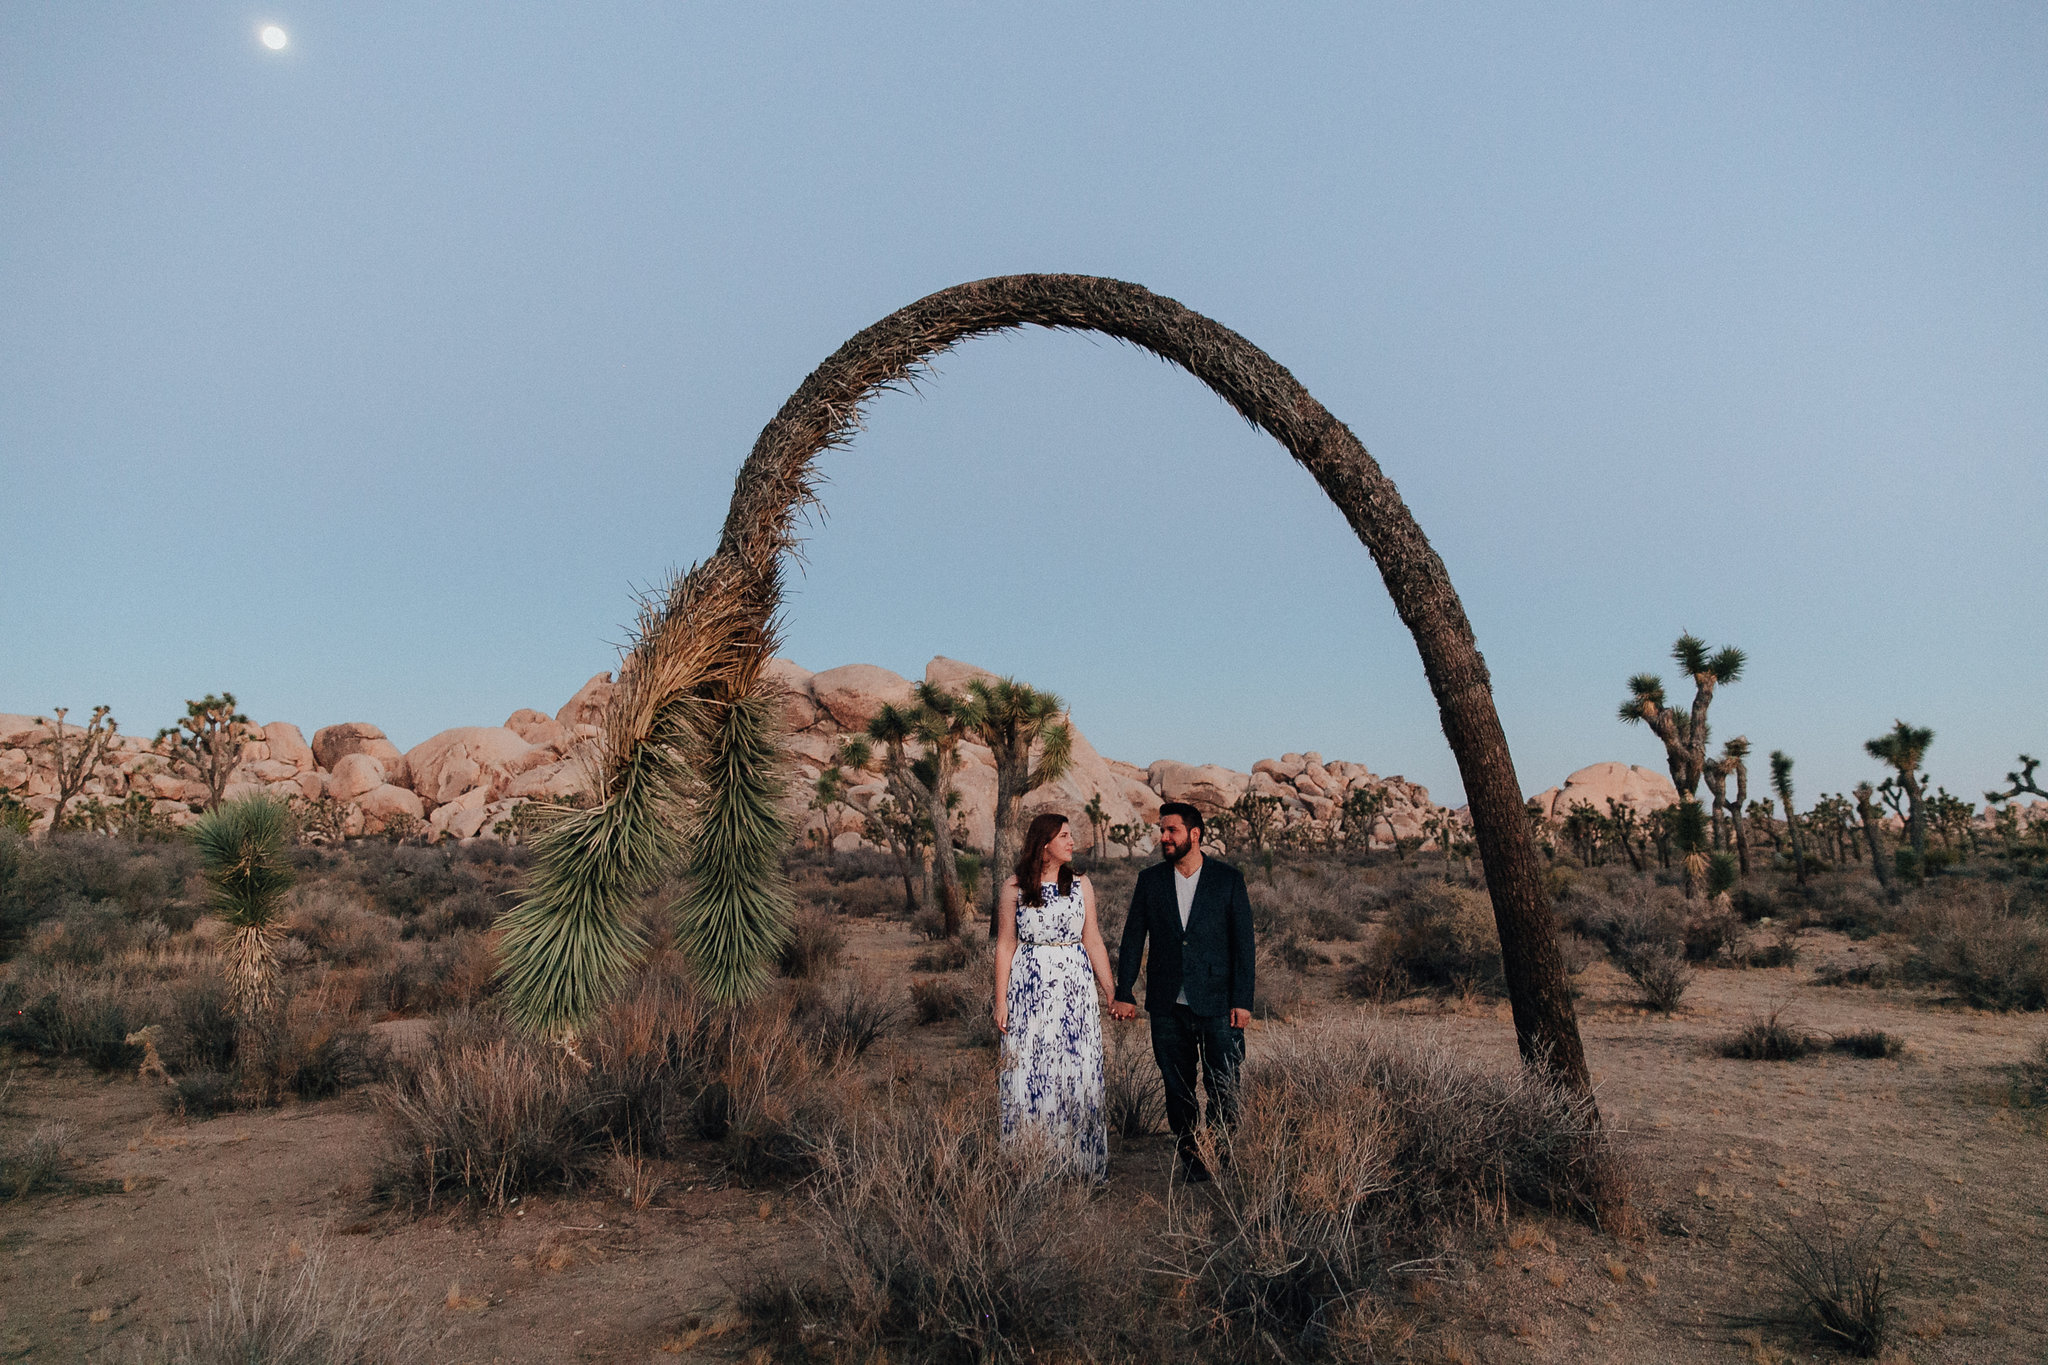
x=1175, y=838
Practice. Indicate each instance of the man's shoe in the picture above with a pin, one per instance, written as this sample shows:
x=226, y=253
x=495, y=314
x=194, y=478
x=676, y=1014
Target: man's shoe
x=1194, y=1173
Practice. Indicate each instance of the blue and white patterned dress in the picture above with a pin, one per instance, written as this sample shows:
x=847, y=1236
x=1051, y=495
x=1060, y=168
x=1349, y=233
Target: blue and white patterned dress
x=1051, y=1076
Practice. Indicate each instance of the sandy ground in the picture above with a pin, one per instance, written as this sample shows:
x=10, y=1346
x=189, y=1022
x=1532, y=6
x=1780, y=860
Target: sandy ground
x=1930, y=1140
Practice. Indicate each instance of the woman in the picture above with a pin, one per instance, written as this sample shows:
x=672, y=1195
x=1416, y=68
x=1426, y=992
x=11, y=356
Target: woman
x=1046, y=1008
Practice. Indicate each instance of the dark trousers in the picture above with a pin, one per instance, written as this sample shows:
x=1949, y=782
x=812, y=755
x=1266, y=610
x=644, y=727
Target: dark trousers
x=1180, y=1039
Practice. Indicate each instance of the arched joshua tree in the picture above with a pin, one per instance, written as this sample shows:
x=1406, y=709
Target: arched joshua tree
x=683, y=761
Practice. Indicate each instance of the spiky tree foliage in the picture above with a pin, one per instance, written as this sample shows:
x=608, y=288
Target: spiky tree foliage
x=942, y=722
x=1361, y=812
x=1734, y=762
x=1012, y=719
x=1683, y=730
x=776, y=485
x=1689, y=835
x=1873, y=833
x=1903, y=747
x=1781, y=782
x=74, y=755
x=241, y=847
x=1098, y=823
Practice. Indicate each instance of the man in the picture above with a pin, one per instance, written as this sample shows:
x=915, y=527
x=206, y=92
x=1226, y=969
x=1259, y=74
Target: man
x=1198, y=987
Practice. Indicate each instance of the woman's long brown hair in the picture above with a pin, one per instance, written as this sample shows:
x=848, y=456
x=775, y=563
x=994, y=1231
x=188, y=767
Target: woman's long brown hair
x=1044, y=829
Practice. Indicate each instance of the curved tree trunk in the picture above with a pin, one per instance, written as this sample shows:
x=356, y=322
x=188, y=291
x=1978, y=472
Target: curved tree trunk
x=776, y=484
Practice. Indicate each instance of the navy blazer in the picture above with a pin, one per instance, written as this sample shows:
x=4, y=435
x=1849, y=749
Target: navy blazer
x=1211, y=958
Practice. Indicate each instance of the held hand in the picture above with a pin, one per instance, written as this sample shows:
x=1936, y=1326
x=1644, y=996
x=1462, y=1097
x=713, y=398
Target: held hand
x=1240, y=1018
x=1122, y=1009
x=1002, y=1014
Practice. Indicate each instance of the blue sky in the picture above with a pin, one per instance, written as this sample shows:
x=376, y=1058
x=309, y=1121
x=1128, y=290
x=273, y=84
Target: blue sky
x=369, y=378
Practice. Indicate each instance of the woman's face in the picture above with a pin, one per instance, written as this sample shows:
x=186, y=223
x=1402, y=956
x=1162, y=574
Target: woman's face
x=1061, y=849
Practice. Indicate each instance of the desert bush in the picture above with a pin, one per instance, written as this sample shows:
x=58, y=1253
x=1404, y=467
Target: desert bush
x=340, y=927
x=1836, y=1280
x=200, y=1031
x=33, y=1164
x=69, y=1014
x=1709, y=930
x=1781, y=951
x=849, y=1020
x=296, y=1313
x=930, y=925
x=84, y=934
x=1133, y=1096
x=1849, y=905
x=297, y=1049
x=952, y=954
x=815, y=945
x=1660, y=972
x=935, y=999
x=1855, y=974
x=484, y=1122
x=1871, y=1044
x=202, y=1094
x=1295, y=955
x=869, y=897
x=1354, y=1152
x=2030, y=1076
x=1966, y=936
x=1767, y=1038
x=1438, y=938
x=432, y=977
x=1278, y=994
x=946, y=1241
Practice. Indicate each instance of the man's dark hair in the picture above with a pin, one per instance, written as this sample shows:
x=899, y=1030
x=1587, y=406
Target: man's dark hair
x=1190, y=815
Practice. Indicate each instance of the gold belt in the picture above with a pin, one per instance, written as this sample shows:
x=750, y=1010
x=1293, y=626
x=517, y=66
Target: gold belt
x=1051, y=943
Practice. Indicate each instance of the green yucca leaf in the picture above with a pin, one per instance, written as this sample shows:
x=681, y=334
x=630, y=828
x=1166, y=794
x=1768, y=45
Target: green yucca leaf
x=1689, y=826
x=735, y=915
x=241, y=848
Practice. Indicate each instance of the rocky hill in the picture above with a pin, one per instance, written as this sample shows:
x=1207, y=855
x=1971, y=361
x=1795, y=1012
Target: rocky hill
x=461, y=783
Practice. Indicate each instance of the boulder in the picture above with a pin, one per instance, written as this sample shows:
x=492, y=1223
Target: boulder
x=1643, y=788
x=1210, y=788
x=353, y=775
x=799, y=707
x=549, y=782
x=380, y=805
x=953, y=676
x=539, y=729
x=588, y=705
x=333, y=743
x=453, y=761
x=287, y=745
x=274, y=770
x=853, y=693
x=312, y=784
x=19, y=732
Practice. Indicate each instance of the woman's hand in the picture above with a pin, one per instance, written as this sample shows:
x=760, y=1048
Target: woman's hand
x=1002, y=1016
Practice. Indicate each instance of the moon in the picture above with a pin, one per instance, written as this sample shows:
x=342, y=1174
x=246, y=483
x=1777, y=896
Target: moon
x=274, y=37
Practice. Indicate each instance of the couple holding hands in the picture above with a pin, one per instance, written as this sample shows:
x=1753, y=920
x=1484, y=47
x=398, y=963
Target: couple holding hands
x=1051, y=964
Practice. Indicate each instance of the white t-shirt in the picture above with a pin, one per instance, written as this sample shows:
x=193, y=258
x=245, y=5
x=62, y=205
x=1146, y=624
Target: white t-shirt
x=1184, y=892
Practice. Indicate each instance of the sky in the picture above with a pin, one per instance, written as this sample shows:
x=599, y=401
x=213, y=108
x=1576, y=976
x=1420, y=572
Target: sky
x=369, y=379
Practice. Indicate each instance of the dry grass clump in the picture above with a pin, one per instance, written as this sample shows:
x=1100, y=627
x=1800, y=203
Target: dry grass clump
x=1436, y=939
x=1836, y=1280
x=966, y=952
x=1133, y=1096
x=1353, y=1157
x=934, y=1000
x=815, y=945
x=286, y=1312
x=851, y=1018
x=947, y=1243
x=34, y=1164
x=1769, y=1039
x=70, y=1012
x=1871, y=1044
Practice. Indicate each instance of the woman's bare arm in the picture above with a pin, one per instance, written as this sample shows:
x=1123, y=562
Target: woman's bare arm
x=1091, y=941
x=1006, y=950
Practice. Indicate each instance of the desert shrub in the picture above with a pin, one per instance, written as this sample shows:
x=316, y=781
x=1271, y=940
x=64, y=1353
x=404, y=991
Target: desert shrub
x=145, y=879
x=1781, y=951
x=1848, y=904
x=935, y=999
x=1871, y=1044
x=951, y=954
x=1835, y=1279
x=815, y=945
x=1855, y=974
x=846, y=1022
x=779, y=1112
x=202, y=1094
x=1660, y=972
x=1278, y=994
x=33, y=1164
x=2030, y=1076
x=484, y=1122
x=869, y=897
x=1767, y=1038
x=1295, y=955
x=341, y=928
x=431, y=977
x=67, y=1014
x=296, y=1049
x=200, y=1031
x=286, y=1313
x=85, y=934
x=1751, y=904
x=1968, y=938
x=1438, y=938
x=1354, y=1152
x=947, y=1241
x=1709, y=929
x=1133, y=1096
x=929, y=924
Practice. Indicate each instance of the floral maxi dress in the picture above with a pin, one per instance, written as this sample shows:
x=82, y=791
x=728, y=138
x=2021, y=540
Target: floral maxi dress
x=1051, y=1076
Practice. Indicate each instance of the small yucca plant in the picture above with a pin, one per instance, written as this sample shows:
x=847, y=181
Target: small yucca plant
x=242, y=856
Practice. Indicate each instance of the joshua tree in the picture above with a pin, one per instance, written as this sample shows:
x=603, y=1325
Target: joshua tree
x=1781, y=782
x=1581, y=826
x=242, y=856
x=1098, y=829
x=2021, y=783
x=696, y=655
x=1867, y=814
x=74, y=756
x=1734, y=762
x=828, y=793
x=1903, y=746
x=1256, y=816
x=1684, y=732
x=1130, y=836
x=1012, y=718
x=206, y=742
x=938, y=722
x=1361, y=813
x=1627, y=828
x=1689, y=834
